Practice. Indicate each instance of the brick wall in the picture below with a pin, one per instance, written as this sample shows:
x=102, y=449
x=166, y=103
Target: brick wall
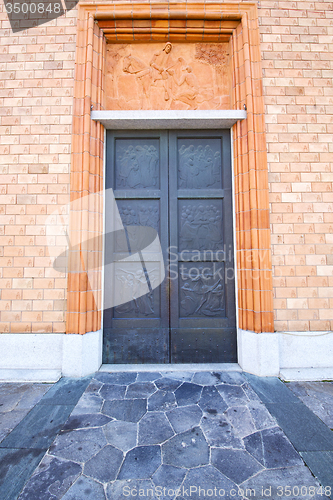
x=36, y=90
x=297, y=49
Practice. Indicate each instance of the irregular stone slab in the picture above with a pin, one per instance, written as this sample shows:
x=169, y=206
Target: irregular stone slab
x=94, y=387
x=121, y=434
x=140, y=390
x=320, y=463
x=207, y=478
x=211, y=401
x=241, y=420
x=271, y=389
x=188, y=449
x=9, y=420
x=231, y=378
x=130, y=410
x=183, y=376
x=272, y=449
x=110, y=392
x=154, y=428
x=161, y=401
x=131, y=488
x=141, y=462
x=78, y=446
x=233, y=395
x=185, y=418
x=148, y=376
x=252, y=396
x=86, y=421
x=188, y=394
x=206, y=378
x=219, y=432
x=89, y=403
x=16, y=466
x=31, y=396
x=104, y=466
x=85, y=488
x=39, y=427
x=67, y=391
x=237, y=465
x=11, y=396
x=51, y=479
x=168, y=477
x=119, y=378
x=274, y=481
x=261, y=417
x=168, y=384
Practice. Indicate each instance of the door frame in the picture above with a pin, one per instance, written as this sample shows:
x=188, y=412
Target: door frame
x=173, y=124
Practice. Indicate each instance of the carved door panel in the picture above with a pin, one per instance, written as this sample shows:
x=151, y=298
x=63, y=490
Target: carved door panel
x=179, y=184
x=137, y=330
x=202, y=284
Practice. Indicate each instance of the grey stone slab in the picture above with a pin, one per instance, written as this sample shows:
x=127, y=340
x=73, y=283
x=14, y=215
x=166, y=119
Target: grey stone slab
x=206, y=378
x=78, y=446
x=272, y=449
x=169, y=477
x=104, y=466
x=261, y=417
x=177, y=375
x=141, y=462
x=32, y=395
x=252, y=396
x=67, y=391
x=51, y=479
x=237, y=465
x=241, y=419
x=168, y=384
x=9, y=401
x=39, y=428
x=188, y=394
x=94, y=386
x=9, y=420
x=16, y=466
x=211, y=401
x=85, y=421
x=271, y=389
x=154, y=428
x=320, y=464
x=148, y=376
x=89, y=403
x=219, y=432
x=140, y=390
x=130, y=410
x=213, y=484
x=119, y=378
x=306, y=431
x=184, y=418
x=161, y=401
x=298, y=388
x=110, y=391
x=188, y=449
x=85, y=488
x=231, y=378
x=131, y=488
x=278, y=483
x=233, y=395
x=122, y=435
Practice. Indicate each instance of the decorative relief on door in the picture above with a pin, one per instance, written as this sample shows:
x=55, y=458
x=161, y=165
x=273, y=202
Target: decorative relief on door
x=139, y=213
x=140, y=305
x=202, y=290
x=168, y=76
x=137, y=165
x=199, y=165
x=200, y=226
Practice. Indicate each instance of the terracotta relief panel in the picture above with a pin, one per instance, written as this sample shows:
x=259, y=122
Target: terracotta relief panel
x=168, y=76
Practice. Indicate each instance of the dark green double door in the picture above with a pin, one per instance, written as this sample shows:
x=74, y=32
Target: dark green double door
x=179, y=184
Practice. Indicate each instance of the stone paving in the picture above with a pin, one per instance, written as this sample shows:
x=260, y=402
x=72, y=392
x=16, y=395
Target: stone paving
x=171, y=435
x=16, y=400
x=318, y=397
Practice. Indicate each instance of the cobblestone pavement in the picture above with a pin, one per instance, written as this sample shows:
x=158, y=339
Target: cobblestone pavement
x=16, y=400
x=147, y=435
x=318, y=397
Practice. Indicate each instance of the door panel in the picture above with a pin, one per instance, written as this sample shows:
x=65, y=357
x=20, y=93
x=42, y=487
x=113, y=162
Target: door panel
x=178, y=183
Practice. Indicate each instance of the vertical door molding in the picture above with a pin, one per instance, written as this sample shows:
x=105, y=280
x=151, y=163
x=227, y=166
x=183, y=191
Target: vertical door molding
x=188, y=22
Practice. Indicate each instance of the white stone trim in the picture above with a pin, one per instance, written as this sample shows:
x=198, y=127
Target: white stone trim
x=168, y=119
x=258, y=353
x=185, y=367
x=45, y=357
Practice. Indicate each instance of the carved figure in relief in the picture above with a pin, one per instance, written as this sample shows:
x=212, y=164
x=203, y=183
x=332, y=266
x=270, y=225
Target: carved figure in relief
x=198, y=167
x=199, y=297
x=140, y=216
x=138, y=167
x=132, y=282
x=201, y=228
x=162, y=64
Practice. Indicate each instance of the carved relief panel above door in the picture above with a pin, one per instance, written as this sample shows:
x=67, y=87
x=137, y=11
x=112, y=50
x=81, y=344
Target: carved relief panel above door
x=168, y=76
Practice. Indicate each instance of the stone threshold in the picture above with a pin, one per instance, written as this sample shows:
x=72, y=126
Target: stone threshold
x=179, y=367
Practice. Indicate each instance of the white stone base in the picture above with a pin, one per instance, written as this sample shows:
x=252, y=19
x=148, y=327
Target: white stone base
x=258, y=353
x=45, y=357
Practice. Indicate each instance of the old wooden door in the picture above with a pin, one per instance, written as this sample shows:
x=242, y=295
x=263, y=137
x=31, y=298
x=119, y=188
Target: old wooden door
x=178, y=183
